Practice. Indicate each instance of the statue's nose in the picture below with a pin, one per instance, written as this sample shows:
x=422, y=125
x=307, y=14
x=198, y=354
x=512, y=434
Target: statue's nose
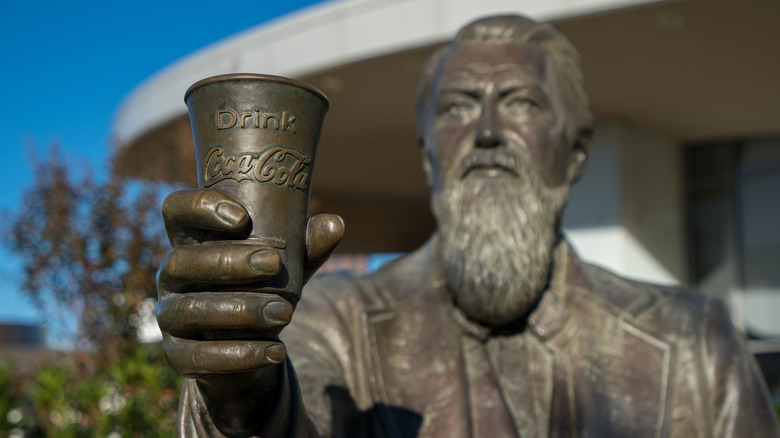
x=488, y=131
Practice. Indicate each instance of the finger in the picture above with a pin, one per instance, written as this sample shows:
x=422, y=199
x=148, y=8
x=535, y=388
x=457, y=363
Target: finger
x=222, y=263
x=323, y=234
x=190, y=215
x=189, y=315
x=193, y=358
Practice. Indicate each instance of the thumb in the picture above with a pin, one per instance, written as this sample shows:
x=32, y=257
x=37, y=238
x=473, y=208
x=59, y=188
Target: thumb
x=323, y=234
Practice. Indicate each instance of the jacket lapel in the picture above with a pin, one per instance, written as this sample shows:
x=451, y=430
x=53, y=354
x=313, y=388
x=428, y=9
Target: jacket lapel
x=417, y=365
x=415, y=353
x=620, y=372
x=621, y=383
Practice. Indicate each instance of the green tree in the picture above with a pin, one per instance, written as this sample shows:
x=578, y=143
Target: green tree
x=135, y=397
x=90, y=248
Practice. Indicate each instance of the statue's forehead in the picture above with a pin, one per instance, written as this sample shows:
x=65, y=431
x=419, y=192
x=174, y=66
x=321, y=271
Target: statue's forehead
x=506, y=61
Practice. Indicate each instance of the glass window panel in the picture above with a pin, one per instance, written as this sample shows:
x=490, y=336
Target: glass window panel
x=708, y=161
x=710, y=221
x=760, y=202
x=760, y=156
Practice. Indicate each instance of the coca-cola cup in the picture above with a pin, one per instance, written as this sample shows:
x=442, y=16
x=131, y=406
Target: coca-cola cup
x=255, y=139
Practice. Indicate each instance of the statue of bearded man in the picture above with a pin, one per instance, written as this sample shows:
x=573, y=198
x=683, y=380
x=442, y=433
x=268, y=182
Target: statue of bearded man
x=493, y=328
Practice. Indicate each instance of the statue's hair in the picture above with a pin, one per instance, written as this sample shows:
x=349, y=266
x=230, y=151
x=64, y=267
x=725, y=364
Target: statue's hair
x=514, y=28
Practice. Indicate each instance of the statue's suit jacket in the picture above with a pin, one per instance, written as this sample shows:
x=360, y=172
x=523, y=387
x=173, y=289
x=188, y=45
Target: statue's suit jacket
x=389, y=355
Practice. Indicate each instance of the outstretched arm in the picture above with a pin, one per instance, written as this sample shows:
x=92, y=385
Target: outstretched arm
x=217, y=333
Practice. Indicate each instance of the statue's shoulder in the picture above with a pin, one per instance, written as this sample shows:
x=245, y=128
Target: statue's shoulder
x=620, y=289
x=660, y=308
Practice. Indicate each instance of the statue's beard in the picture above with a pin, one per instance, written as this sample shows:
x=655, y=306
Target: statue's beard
x=497, y=237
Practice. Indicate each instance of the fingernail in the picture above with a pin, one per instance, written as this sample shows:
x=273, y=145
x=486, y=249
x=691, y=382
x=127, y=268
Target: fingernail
x=230, y=212
x=275, y=353
x=265, y=261
x=277, y=312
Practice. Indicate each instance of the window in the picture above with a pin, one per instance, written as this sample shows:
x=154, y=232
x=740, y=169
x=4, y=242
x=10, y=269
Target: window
x=733, y=199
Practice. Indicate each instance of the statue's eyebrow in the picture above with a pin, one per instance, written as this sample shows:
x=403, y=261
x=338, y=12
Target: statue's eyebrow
x=462, y=85
x=473, y=92
x=505, y=89
x=512, y=87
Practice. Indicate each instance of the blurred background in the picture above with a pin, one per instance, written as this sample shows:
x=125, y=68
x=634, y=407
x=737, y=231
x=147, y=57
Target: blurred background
x=681, y=188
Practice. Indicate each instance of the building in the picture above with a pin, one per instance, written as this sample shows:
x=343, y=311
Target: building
x=684, y=172
x=24, y=345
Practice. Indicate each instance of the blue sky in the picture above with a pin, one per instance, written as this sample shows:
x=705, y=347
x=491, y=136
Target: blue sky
x=66, y=66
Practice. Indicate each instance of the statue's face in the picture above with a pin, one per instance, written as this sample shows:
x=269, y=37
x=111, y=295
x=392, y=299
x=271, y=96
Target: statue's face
x=499, y=164
x=497, y=96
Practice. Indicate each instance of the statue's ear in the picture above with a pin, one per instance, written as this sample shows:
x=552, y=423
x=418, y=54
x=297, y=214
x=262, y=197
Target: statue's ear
x=579, y=154
x=426, y=163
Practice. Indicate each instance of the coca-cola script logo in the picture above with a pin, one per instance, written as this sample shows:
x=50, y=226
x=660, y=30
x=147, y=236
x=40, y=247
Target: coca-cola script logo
x=277, y=164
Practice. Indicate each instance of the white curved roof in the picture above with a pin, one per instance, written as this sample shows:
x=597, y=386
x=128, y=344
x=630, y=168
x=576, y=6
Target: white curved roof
x=325, y=35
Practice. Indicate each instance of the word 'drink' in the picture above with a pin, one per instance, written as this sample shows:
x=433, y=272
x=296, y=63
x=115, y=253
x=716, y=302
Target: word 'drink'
x=260, y=119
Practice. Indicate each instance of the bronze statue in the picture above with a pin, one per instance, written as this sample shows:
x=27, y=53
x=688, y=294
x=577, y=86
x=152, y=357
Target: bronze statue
x=494, y=328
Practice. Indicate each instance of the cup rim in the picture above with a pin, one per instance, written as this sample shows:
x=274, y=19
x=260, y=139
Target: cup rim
x=257, y=77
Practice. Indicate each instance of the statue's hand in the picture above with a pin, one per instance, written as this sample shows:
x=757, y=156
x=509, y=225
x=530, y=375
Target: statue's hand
x=213, y=329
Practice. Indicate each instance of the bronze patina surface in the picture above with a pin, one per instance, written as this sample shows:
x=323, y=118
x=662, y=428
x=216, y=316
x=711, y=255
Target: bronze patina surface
x=493, y=328
x=255, y=139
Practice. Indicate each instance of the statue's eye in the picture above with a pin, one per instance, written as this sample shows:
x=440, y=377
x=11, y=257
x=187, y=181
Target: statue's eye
x=456, y=108
x=520, y=104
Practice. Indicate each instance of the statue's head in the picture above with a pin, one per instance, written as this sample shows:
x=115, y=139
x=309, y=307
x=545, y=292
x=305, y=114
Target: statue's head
x=504, y=123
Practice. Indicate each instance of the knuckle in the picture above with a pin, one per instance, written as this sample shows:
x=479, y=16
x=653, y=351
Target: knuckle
x=179, y=266
x=225, y=265
x=205, y=199
x=239, y=310
x=163, y=277
x=173, y=202
x=167, y=206
x=162, y=314
x=173, y=353
x=168, y=266
x=165, y=314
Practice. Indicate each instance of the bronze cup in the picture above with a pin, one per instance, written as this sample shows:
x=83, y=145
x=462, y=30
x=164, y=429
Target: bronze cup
x=255, y=139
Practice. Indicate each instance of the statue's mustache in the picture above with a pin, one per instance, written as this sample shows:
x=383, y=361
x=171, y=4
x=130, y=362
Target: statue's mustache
x=495, y=158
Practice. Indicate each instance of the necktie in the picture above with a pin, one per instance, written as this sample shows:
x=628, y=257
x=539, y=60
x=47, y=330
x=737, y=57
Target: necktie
x=489, y=415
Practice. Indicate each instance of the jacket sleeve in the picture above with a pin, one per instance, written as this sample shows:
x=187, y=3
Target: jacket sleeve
x=288, y=420
x=740, y=402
